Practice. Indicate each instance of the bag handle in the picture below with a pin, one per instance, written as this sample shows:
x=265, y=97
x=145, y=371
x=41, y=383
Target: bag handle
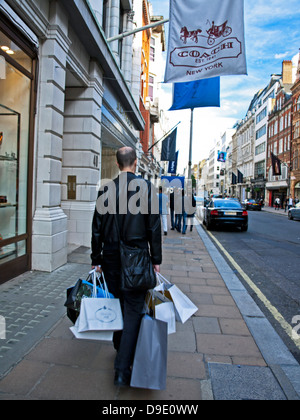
x=162, y=279
x=103, y=286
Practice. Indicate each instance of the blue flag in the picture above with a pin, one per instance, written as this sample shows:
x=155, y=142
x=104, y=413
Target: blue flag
x=173, y=165
x=198, y=94
x=168, y=151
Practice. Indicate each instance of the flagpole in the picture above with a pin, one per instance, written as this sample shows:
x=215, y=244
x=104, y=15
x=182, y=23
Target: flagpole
x=191, y=144
x=164, y=137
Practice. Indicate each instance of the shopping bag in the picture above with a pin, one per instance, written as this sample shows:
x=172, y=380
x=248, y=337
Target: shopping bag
x=149, y=368
x=92, y=335
x=184, y=307
x=159, y=306
x=84, y=288
x=99, y=314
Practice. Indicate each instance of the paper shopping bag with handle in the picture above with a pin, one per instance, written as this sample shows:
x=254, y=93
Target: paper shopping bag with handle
x=184, y=307
x=100, y=314
x=161, y=308
x=149, y=370
x=92, y=335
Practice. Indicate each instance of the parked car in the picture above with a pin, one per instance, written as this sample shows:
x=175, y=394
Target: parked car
x=294, y=212
x=251, y=205
x=224, y=212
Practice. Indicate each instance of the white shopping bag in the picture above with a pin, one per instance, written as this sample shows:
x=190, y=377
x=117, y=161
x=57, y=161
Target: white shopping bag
x=92, y=335
x=161, y=308
x=184, y=307
x=100, y=314
x=166, y=312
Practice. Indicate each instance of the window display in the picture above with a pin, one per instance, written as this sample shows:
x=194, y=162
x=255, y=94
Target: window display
x=15, y=115
x=9, y=177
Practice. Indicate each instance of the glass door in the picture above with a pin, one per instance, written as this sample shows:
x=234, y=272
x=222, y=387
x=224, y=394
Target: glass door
x=16, y=138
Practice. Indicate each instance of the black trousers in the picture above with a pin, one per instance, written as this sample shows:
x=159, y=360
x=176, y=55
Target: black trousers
x=132, y=304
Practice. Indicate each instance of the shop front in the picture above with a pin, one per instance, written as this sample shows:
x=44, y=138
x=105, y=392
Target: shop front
x=297, y=191
x=275, y=190
x=17, y=98
x=117, y=130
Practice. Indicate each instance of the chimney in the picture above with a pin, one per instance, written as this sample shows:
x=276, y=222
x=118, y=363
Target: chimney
x=287, y=72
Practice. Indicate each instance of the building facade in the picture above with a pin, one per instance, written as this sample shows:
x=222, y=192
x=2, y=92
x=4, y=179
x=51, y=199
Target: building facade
x=68, y=102
x=279, y=139
x=295, y=155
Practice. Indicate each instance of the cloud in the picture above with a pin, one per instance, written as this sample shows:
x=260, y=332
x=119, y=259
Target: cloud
x=281, y=56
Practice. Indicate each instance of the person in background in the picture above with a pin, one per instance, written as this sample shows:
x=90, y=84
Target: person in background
x=179, y=208
x=190, y=211
x=163, y=210
x=172, y=215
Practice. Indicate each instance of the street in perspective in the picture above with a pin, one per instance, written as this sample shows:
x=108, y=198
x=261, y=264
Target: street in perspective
x=269, y=254
x=149, y=203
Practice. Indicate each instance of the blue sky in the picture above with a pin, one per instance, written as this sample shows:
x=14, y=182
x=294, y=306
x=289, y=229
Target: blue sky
x=272, y=32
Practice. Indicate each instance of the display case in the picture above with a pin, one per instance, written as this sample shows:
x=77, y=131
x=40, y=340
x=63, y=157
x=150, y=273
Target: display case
x=10, y=121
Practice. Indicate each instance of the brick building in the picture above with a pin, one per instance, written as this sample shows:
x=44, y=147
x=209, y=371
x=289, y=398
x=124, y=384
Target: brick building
x=279, y=137
x=295, y=175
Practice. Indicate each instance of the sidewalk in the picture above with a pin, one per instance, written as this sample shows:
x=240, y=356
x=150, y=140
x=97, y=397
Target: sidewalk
x=213, y=356
x=272, y=210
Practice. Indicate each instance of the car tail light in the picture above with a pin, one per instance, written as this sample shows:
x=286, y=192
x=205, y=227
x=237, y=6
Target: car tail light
x=214, y=213
x=245, y=213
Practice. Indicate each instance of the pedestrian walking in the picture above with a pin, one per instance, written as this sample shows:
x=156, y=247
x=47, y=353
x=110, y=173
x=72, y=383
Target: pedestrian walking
x=277, y=203
x=291, y=203
x=286, y=204
x=163, y=209
x=179, y=209
x=136, y=229
x=172, y=214
x=190, y=210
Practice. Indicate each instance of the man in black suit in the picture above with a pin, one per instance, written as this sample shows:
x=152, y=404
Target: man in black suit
x=139, y=225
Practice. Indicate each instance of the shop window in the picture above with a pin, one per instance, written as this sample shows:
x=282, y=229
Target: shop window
x=16, y=81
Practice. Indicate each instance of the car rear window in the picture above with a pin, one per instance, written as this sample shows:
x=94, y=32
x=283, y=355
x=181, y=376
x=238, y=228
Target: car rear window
x=227, y=204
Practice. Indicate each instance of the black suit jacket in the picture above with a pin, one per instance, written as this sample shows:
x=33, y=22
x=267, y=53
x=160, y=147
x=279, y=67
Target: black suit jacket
x=135, y=202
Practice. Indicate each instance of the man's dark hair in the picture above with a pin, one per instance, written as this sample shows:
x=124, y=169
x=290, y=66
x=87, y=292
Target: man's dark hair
x=126, y=157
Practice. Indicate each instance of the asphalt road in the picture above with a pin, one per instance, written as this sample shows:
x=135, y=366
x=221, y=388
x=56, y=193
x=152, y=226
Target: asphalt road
x=269, y=253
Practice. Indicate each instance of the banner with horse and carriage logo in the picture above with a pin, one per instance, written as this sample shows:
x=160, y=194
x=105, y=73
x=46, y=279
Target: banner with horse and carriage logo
x=206, y=39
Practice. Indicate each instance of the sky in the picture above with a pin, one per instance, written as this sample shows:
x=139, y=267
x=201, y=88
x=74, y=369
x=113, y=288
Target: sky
x=272, y=34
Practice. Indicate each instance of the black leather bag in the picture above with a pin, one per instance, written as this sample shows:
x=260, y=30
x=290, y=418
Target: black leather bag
x=137, y=273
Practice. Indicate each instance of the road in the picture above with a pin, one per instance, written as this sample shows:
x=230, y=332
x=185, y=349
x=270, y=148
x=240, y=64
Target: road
x=269, y=253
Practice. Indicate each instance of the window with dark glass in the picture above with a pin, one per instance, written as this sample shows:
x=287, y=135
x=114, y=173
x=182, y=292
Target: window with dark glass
x=15, y=100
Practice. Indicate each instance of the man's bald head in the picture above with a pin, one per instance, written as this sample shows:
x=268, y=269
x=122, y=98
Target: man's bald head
x=126, y=158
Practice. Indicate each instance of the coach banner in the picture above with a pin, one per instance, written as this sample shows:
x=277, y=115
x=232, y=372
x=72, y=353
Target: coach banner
x=206, y=39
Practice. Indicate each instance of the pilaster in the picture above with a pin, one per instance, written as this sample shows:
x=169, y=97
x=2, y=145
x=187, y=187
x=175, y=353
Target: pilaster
x=49, y=241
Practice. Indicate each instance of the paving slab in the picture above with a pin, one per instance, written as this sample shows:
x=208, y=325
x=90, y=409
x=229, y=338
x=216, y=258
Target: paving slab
x=231, y=382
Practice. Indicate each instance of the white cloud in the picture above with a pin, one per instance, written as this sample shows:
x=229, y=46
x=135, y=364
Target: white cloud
x=281, y=56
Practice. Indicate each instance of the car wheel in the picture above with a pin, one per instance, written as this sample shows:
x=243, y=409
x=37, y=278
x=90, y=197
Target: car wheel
x=244, y=228
x=290, y=216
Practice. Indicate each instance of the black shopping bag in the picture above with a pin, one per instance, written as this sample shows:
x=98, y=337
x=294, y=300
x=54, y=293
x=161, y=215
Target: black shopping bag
x=149, y=369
